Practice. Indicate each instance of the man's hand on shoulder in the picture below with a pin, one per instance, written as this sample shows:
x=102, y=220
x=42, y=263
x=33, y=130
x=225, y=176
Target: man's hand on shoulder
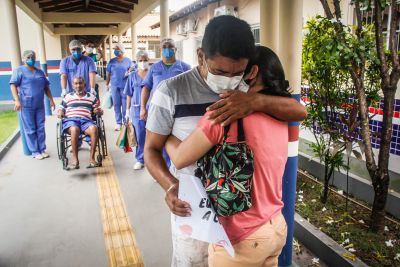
x=232, y=106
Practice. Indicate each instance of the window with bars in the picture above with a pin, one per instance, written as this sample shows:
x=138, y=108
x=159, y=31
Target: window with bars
x=256, y=33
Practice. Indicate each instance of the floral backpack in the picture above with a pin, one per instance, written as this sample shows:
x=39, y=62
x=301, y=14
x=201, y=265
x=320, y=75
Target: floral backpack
x=226, y=172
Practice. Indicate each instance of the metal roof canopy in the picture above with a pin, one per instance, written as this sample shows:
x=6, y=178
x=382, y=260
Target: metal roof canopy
x=91, y=19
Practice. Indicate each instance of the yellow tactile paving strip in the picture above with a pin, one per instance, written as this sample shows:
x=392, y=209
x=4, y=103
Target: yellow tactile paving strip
x=120, y=241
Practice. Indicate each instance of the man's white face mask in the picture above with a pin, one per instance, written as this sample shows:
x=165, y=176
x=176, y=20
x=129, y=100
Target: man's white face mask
x=220, y=84
x=143, y=65
x=89, y=50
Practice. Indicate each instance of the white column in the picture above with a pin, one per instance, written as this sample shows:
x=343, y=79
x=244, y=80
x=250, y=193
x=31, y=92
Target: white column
x=164, y=19
x=13, y=33
x=133, y=41
x=290, y=40
x=42, y=46
x=110, y=47
x=104, y=49
x=269, y=24
x=119, y=38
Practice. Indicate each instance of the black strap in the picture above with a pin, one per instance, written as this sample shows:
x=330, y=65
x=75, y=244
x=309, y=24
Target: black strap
x=240, y=135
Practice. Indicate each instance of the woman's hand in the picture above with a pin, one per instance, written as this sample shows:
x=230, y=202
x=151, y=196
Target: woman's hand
x=52, y=104
x=143, y=114
x=17, y=105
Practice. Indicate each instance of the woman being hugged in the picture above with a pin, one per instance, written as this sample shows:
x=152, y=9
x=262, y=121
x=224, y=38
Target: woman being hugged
x=259, y=233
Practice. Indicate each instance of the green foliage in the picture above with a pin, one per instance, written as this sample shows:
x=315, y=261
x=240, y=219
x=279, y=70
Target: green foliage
x=328, y=54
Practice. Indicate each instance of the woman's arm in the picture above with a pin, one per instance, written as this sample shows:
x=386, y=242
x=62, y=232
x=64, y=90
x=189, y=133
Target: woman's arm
x=187, y=152
x=50, y=96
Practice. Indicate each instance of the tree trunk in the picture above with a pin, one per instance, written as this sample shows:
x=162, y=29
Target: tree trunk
x=381, y=185
x=380, y=179
x=328, y=174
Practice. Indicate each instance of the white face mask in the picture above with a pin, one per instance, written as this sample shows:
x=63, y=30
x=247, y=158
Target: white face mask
x=219, y=83
x=89, y=50
x=143, y=65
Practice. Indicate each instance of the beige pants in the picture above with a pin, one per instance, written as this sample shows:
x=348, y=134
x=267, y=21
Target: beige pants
x=261, y=248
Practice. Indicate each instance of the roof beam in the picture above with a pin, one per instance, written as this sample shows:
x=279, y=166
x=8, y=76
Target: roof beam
x=113, y=4
x=86, y=31
x=82, y=17
x=109, y=7
x=61, y=6
x=30, y=8
x=55, y=3
x=140, y=10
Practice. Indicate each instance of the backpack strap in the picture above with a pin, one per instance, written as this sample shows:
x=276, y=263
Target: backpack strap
x=240, y=135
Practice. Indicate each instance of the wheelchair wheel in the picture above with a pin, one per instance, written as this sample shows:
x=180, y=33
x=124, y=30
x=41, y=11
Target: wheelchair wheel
x=60, y=143
x=65, y=163
x=102, y=137
x=100, y=160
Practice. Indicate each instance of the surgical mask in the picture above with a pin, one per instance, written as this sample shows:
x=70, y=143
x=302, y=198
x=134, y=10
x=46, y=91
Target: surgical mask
x=117, y=53
x=30, y=62
x=77, y=54
x=168, y=52
x=142, y=65
x=89, y=50
x=219, y=83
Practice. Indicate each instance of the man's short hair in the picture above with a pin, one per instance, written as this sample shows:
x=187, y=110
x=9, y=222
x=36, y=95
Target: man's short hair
x=80, y=78
x=228, y=36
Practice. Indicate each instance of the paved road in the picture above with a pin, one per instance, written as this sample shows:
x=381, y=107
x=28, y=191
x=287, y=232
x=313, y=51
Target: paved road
x=52, y=217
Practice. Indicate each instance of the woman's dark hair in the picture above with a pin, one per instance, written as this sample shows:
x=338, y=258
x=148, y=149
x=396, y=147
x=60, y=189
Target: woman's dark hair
x=228, y=36
x=271, y=71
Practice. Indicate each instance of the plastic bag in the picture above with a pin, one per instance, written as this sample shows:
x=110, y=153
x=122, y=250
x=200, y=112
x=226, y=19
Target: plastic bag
x=107, y=100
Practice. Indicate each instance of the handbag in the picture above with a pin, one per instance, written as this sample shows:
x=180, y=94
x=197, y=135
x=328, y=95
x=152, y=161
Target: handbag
x=131, y=134
x=226, y=172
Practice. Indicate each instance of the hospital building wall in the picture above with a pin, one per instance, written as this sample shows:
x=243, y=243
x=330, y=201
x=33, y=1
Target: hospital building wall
x=29, y=39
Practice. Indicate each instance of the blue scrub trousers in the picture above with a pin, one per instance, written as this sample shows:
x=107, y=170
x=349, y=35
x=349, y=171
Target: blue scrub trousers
x=119, y=101
x=140, y=130
x=33, y=121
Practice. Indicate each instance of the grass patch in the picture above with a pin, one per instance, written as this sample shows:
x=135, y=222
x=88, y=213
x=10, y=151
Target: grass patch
x=348, y=227
x=8, y=124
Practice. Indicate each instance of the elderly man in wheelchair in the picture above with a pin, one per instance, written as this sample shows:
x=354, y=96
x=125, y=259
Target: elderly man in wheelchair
x=77, y=111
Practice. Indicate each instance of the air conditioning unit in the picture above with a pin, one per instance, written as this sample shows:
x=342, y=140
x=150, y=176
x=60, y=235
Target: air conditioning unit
x=181, y=29
x=225, y=10
x=191, y=25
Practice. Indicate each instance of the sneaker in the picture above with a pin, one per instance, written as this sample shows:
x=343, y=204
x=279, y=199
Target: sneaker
x=138, y=166
x=117, y=127
x=45, y=155
x=38, y=157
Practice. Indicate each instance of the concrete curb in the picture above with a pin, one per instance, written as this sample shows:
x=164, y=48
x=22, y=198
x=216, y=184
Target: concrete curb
x=8, y=143
x=359, y=187
x=324, y=247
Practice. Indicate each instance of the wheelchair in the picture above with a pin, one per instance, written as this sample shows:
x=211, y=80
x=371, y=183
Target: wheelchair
x=64, y=142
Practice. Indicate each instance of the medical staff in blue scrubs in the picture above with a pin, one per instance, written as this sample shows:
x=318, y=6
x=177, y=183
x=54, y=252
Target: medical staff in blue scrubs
x=166, y=68
x=28, y=86
x=133, y=89
x=77, y=65
x=117, y=74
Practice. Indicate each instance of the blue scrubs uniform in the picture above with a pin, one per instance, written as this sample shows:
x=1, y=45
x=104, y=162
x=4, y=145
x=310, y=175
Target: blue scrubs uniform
x=159, y=72
x=133, y=88
x=79, y=68
x=117, y=71
x=31, y=87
